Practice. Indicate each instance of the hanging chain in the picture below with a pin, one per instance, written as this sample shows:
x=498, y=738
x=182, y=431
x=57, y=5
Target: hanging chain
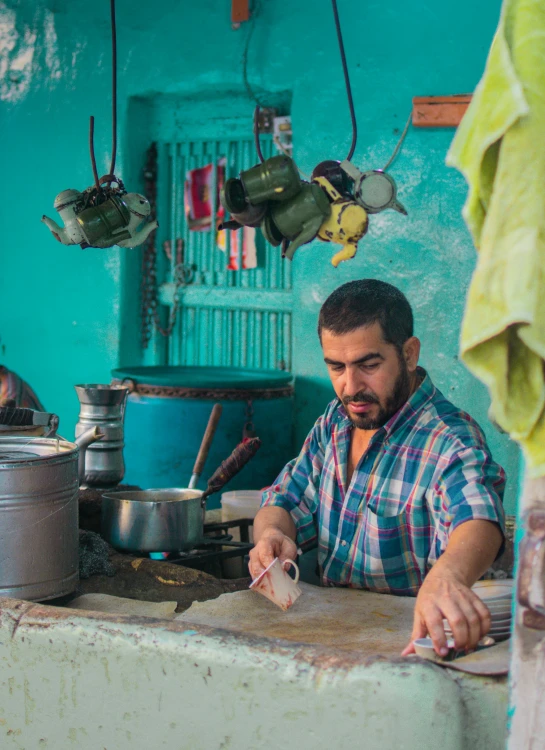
x=149, y=289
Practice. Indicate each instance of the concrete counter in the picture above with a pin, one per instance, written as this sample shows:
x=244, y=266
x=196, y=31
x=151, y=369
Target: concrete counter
x=95, y=682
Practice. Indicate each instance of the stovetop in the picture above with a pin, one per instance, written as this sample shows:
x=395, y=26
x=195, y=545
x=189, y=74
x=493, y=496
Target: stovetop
x=217, y=546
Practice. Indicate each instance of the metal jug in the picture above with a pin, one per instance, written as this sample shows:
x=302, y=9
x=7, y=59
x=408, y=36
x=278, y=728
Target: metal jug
x=103, y=406
x=276, y=179
x=300, y=218
x=109, y=220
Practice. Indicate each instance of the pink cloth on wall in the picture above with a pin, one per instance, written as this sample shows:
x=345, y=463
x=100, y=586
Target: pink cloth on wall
x=199, y=205
x=246, y=255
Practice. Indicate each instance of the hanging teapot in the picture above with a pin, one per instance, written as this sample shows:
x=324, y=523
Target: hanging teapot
x=66, y=205
x=116, y=220
x=375, y=190
x=243, y=213
x=298, y=219
x=276, y=179
x=346, y=225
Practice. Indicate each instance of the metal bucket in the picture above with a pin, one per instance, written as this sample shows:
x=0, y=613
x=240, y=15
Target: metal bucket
x=38, y=517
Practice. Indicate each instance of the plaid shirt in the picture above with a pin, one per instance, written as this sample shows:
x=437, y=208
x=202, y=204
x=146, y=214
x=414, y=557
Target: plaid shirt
x=425, y=472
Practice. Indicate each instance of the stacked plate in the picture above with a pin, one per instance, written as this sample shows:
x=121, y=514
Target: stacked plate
x=497, y=595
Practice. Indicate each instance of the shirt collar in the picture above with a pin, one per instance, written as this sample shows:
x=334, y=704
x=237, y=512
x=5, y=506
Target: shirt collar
x=415, y=403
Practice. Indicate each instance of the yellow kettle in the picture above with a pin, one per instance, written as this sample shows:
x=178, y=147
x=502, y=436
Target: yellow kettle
x=346, y=225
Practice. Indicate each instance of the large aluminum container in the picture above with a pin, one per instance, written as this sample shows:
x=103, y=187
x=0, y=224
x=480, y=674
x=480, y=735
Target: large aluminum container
x=38, y=517
x=168, y=410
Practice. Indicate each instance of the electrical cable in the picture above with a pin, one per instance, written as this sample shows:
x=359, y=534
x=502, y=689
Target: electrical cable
x=256, y=134
x=253, y=96
x=92, y=152
x=346, y=81
x=399, y=143
x=251, y=27
x=111, y=176
x=114, y=87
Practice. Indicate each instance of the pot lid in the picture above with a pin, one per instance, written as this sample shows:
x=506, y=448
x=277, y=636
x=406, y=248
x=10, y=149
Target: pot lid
x=23, y=449
x=6, y=455
x=206, y=377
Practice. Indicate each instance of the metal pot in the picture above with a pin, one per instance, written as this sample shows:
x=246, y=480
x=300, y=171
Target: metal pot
x=166, y=520
x=38, y=517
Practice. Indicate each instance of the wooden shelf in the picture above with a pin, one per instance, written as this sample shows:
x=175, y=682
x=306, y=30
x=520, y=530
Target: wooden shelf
x=240, y=11
x=439, y=111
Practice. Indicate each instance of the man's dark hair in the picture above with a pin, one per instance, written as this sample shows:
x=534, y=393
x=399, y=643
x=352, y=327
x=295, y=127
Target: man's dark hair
x=364, y=302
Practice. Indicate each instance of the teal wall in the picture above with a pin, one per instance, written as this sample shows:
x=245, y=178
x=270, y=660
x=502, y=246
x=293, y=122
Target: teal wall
x=68, y=315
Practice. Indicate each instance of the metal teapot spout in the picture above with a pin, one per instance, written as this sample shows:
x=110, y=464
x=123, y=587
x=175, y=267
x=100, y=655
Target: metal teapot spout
x=83, y=441
x=58, y=232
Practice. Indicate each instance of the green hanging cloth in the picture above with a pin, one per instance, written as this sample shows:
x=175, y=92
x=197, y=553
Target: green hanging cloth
x=500, y=149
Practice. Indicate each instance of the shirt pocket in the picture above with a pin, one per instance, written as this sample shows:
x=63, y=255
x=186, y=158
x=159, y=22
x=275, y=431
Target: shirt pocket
x=386, y=522
x=385, y=547
x=390, y=538
x=388, y=512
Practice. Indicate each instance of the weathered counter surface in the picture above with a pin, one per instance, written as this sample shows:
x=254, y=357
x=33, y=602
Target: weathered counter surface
x=346, y=619
x=103, y=682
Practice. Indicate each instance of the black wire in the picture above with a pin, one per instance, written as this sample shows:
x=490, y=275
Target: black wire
x=114, y=87
x=251, y=27
x=92, y=152
x=256, y=134
x=346, y=81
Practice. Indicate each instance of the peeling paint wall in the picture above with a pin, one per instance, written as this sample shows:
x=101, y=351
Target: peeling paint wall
x=65, y=316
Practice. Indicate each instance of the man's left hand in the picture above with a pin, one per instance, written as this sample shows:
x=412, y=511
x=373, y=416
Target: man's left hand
x=444, y=595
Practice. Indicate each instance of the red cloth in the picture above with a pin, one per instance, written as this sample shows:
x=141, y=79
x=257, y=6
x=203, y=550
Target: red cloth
x=249, y=253
x=198, y=196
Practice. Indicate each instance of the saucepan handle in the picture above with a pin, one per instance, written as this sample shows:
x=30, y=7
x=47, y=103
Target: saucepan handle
x=231, y=466
x=207, y=440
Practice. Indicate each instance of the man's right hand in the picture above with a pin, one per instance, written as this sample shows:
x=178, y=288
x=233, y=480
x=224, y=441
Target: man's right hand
x=272, y=543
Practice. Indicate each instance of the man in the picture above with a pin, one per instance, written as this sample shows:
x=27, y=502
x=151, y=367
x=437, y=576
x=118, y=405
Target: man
x=394, y=484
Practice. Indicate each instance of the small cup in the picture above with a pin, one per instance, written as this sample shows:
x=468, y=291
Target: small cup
x=276, y=584
x=424, y=648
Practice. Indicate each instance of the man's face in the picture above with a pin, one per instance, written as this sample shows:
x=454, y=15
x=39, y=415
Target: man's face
x=371, y=377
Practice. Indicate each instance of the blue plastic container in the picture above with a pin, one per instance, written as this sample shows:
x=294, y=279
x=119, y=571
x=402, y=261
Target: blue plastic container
x=168, y=410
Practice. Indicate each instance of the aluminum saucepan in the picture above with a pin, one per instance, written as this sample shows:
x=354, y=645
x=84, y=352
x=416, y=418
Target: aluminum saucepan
x=166, y=520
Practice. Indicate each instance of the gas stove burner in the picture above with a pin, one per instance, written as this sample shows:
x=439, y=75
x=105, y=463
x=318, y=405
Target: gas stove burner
x=216, y=546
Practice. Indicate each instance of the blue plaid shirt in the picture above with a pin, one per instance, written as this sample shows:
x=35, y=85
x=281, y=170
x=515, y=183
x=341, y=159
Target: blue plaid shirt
x=425, y=472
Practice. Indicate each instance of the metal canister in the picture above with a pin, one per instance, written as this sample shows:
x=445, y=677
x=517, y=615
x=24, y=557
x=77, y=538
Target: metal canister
x=276, y=179
x=38, y=517
x=103, y=406
x=100, y=223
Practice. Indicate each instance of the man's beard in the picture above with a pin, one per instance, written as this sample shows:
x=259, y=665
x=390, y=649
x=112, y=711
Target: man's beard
x=394, y=402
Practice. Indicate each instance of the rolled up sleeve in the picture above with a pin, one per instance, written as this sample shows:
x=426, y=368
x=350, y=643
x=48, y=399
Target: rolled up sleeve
x=471, y=488
x=296, y=489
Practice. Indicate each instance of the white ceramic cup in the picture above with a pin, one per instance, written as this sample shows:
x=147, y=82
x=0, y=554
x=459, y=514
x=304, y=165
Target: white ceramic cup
x=276, y=584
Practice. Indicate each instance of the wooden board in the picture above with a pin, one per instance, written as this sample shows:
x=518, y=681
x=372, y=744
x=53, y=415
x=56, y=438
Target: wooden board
x=240, y=11
x=439, y=111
